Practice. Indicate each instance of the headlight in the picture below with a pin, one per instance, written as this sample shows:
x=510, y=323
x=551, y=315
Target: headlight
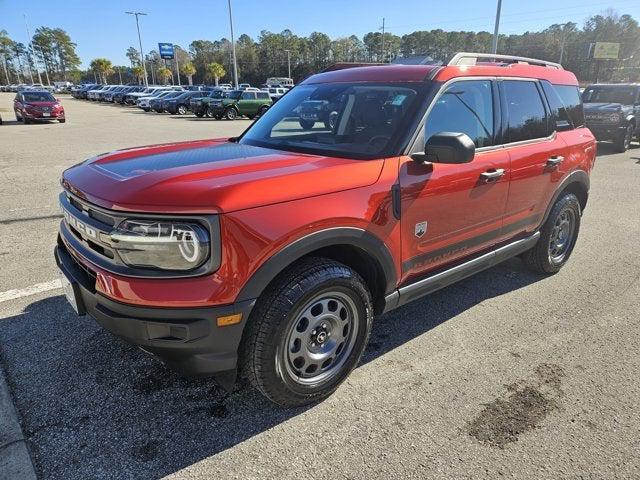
x=161, y=245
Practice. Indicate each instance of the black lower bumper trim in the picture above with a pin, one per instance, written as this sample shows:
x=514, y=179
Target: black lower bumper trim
x=186, y=339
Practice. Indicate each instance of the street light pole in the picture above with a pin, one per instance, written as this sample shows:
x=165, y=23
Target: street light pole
x=494, y=48
x=288, y=63
x=233, y=48
x=564, y=39
x=144, y=67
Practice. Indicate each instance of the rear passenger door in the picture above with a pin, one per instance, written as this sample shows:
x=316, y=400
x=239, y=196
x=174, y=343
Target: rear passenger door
x=536, y=151
x=247, y=103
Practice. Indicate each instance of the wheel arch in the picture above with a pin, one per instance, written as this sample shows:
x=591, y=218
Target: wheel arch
x=357, y=248
x=577, y=182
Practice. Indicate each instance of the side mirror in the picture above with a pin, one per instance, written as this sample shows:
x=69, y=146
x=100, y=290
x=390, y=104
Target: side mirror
x=447, y=147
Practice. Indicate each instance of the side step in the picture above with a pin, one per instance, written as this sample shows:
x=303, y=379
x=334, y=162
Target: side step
x=443, y=279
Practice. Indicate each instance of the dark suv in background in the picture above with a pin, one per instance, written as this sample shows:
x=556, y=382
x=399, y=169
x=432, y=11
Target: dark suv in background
x=612, y=112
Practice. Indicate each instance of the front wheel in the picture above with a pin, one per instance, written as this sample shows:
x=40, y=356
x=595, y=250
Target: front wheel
x=557, y=237
x=230, y=114
x=182, y=110
x=623, y=142
x=307, y=332
x=62, y=120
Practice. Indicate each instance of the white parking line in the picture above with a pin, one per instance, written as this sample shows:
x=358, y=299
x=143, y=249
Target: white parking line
x=32, y=290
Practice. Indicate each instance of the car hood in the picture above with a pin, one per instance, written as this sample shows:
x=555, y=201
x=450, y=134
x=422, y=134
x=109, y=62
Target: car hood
x=603, y=107
x=211, y=176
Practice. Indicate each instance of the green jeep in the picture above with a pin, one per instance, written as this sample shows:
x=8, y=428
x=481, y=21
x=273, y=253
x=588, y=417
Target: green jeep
x=251, y=104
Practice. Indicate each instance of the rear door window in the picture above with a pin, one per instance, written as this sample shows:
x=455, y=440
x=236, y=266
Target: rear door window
x=526, y=116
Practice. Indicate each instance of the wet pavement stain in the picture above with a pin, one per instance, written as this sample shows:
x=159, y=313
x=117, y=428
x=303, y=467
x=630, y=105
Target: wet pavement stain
x=521, y=410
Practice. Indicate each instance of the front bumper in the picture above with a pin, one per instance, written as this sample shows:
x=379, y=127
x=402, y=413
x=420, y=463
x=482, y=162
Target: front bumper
x=604, y=132
x=185, y=339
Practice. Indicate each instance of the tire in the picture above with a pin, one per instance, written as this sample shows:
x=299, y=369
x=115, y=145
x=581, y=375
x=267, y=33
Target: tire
x=199, y=115
x=548, y=256
x=267, y=356
x=182, y=110
x=62, y=120
x=230, y=114
x=26, y=120
x=307, y=124
x=262, y=110
x=623, y=142
x=209, y=113
x=251, y=117
x=146, y=109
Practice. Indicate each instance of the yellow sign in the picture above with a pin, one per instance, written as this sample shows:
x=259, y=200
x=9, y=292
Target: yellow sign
x=606, y=50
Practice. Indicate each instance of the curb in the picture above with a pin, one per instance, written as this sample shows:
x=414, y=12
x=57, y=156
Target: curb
x=15, y=461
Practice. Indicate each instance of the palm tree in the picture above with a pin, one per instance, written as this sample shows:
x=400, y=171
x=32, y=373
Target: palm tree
x=164, y=73
x=216, y=71
x=189, y=71
x=102, y=67
x=138, y=71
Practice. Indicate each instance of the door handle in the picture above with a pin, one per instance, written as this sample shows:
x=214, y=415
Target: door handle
x=491, y=175
x=555, y=161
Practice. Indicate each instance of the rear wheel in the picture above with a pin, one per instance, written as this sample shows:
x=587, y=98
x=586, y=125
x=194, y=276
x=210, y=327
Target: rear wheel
x=307, y=332
x=262, y=110
x=199, y=115
x=182, y=110
x=557, y=237
x=209, y=113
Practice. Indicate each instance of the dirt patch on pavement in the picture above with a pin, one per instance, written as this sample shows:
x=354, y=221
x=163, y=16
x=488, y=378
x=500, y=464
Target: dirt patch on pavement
x=526, y=404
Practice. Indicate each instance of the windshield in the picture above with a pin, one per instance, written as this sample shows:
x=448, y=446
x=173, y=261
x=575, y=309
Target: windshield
x=235, y=94
x=623, y=94
x=340, y=119
x=38, y=97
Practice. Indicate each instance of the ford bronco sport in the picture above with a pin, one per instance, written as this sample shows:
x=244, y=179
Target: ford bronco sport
x=612, y=113
x=272, y=252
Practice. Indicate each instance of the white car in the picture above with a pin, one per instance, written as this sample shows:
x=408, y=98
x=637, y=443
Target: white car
x=132, y=98
x=93, y=94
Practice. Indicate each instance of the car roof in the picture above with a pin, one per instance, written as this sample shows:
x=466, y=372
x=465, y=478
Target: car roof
x=421, y=73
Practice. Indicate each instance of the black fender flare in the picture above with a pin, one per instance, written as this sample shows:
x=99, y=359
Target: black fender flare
x=577, y=176
x=352, y=236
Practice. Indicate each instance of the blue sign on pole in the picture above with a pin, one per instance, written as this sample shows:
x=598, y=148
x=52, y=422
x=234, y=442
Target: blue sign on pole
x=166, y=51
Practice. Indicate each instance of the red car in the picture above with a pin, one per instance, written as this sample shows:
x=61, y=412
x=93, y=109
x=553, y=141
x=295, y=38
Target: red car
x=36, y=105
x=272, y=252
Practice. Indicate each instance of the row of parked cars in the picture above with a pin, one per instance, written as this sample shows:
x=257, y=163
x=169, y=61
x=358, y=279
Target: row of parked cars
x=218, y=102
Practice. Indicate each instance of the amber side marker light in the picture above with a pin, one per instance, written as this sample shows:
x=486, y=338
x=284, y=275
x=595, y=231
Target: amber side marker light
x=229, y=320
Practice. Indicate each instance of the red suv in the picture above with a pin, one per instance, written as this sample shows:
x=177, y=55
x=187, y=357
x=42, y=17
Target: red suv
x=272, y=252
x=34, y=105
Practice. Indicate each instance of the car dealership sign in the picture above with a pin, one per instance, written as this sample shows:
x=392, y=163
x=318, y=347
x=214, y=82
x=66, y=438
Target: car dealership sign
x=606, y=50
x=166, y=51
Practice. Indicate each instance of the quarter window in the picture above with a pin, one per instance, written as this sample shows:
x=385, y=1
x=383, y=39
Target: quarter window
x=559, y=112
x=525, y=111
x=464, y=107
x=570, y=96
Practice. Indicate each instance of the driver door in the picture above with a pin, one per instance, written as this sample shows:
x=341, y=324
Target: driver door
x=450, y=211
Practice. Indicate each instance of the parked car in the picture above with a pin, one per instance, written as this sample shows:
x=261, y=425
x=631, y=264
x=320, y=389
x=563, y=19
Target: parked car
x=144, y=102
x=312, y=111
x=119, y=97
x=238, y=103
x=612, y=113
x=36, y=105
x=271, y=253
x=179, y=104
x=132, y=98
x=155, y=102
x=94, y=93
x=108, y=95
x=284, y=82
x=244, y=86
x=275, y=92
x=200, y=104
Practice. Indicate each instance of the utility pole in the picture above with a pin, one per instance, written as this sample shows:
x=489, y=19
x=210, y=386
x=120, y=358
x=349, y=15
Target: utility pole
x=32, y=49
x=382, y=39
x=144, y=67
x=288, y=63
x=563, y=41
x=120, y=74
x=494, y=48
x=233, y=48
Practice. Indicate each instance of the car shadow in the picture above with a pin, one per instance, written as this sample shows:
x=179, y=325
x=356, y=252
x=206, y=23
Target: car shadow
x=89, y=402
x=607, y=148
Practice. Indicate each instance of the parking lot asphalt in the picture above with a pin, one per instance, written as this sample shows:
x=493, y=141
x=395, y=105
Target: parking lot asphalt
x=506, y=374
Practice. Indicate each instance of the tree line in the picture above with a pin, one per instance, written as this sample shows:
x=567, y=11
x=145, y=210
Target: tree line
x=275, y=54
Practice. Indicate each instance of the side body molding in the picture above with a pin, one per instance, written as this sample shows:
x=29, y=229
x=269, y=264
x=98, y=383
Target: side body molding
x=351, y=236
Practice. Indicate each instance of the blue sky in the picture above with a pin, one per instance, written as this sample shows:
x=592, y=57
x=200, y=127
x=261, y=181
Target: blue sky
x=101, y=29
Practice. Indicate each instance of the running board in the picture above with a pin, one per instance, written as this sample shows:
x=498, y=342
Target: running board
x=443, y=279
